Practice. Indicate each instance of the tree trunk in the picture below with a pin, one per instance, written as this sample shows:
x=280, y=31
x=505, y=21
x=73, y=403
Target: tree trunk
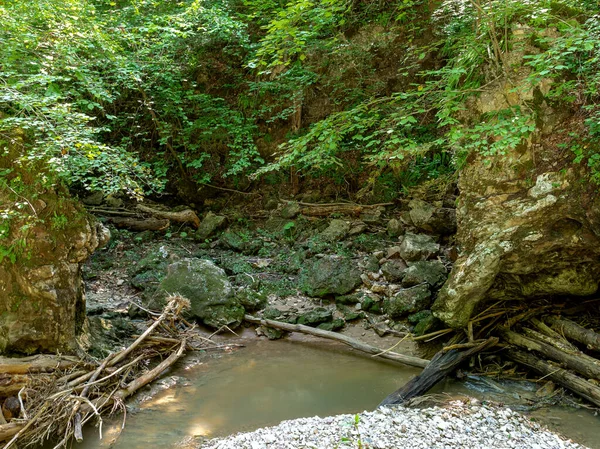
x=442, y=364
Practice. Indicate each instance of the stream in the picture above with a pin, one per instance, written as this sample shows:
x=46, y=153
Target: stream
x=270, y=381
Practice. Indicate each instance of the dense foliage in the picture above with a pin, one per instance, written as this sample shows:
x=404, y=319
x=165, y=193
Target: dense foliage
x=128, y=95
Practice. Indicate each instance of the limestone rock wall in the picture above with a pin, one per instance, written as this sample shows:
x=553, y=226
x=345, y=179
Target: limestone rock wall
x=47, y=237
x=521, y=237
x=528, y=220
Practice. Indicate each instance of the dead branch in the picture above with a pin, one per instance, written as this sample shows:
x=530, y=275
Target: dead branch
x=544, y=329
x=36, y=364
x=574, y=331
x=356, y=344
x=442, y=364
x=557, y=343
x=583, y=364
x=142, y=224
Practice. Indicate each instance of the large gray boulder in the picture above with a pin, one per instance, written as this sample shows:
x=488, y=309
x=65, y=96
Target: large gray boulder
x=429, y=218
x=330, y=275
x=208, y=290
x=520, y=241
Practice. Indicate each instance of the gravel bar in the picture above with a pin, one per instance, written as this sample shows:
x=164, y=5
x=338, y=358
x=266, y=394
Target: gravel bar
x=458, y=424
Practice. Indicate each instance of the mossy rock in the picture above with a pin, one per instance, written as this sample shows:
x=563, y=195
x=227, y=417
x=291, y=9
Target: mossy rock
x=209, y=225
x=290, y=210
x=315, y=317
x=332, y=326
x=424, y=321
x=207, y=288
x=251, y=299
x=432, y=272
x=331, y=275
x=409, y=300
x=352, y=298
x=272, y=333
x=271, y=313
x=337, y=230
x=371, y=304
x=350, y=313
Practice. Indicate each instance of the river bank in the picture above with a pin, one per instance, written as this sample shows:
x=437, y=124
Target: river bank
x=458, y=424
x=215, y=395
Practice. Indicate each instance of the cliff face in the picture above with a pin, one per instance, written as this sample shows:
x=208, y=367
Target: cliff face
x=45, y=238
x=520, y=240
x=528, y=220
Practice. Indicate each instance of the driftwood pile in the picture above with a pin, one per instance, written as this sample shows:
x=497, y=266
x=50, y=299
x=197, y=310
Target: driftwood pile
x=55, y=396
x=537, y=337
x=544, y=346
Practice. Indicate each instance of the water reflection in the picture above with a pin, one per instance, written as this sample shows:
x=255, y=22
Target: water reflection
x=268, y=382
x=261, y=385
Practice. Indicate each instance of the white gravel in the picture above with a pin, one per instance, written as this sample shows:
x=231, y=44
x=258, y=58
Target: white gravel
x=456, y=425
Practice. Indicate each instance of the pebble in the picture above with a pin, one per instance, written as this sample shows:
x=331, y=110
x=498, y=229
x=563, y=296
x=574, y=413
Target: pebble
x=456, y=425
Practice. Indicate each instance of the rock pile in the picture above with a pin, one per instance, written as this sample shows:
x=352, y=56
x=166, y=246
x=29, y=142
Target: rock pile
x=458, y=425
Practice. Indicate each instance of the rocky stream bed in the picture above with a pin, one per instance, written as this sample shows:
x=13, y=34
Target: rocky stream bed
x=372, y=277
x=373, y=274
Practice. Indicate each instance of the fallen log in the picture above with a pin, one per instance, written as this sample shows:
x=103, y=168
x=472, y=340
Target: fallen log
x=556, y=342
x=356, y=344
x=576, y=384
x=11, y=384
x=107, y=211
x=544, y=329
x=141, y=224
x=442, y=364
x=36, y=364
x=151, y=375
x=326, y=211
x=184, y=216
x=575, y=332
x=582, y=363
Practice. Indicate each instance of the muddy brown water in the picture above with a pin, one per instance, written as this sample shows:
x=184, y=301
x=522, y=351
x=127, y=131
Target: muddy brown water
x=267, y=382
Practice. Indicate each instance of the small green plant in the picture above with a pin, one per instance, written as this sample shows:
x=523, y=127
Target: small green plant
x=358, y=440
x=289, y=230
x=59, y=221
